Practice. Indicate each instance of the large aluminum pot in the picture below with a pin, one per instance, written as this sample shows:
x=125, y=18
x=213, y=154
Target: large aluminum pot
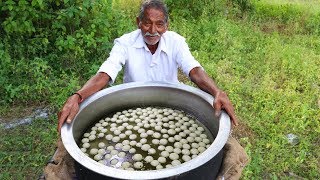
x=125, y=96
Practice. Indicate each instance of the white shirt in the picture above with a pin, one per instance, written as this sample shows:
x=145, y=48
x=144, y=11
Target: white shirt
x=140, y=64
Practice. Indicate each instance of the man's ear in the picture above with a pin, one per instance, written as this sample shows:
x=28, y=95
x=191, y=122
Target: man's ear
x=138, y=22
x=167, y=26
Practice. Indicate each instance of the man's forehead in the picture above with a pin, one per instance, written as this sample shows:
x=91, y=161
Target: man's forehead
x=154, y=14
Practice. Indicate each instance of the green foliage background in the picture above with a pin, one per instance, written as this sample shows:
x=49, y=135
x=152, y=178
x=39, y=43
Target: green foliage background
x=264, y=54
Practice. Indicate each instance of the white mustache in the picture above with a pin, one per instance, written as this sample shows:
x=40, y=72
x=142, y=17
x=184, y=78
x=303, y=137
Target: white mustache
x=149, y=34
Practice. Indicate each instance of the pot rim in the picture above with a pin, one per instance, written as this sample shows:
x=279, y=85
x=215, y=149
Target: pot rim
x=217, y=145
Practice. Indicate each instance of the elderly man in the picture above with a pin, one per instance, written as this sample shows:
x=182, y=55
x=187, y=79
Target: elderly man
x=150, y=53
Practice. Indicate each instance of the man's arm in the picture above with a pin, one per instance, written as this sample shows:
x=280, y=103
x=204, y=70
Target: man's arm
x=71, y=106
x=221, y=101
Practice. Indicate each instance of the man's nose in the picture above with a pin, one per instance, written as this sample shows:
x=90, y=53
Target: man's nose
x=153, y=29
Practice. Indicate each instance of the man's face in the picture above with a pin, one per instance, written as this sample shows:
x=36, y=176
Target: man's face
x=152, y=26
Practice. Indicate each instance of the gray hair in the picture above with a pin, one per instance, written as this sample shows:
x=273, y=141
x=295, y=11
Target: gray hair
x=155, y=4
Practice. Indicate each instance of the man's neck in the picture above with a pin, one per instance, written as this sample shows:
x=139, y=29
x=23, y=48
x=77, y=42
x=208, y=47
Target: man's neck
x=153, y=48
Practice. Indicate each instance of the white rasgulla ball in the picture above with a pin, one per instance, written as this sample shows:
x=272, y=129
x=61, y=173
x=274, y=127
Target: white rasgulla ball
x=138, y=165
x=183, y=141
x=156, y=135
x=207, y=141
x=148, y=159
x=110, y=148
x=164, y=153
x=177, y=150
x=173, y=156
x=122, y=136
x=183, y=127
x=161, y=147
x=113, y=129
x=98, y=157
x=195, y=145
x=104, y=130
x=165, y=136
x=145, y=147
x=207, y=146
x=113, y=124
x=92, y=137
x=146, y=125
x=126, y=165
x=169, y=166
x=132, y=136
x=137, y=157
x=198, y=139
x=163, y=141
x=152, y=151
x=159, y=166
x=136, y=127
x=126, y=147
x=117, y=132
x=128, y=132
x=193, y=135
x=198, y=132
x=165, y=124
x=190, y=139
x=121, y=154
x=154, y=163
x=186, y=146
x=85, y=140
x=133, y=143
x=185, y=151
x=175, y=162
x=150, y=132
x=86, y=134
x=132, y=150
x=109, y=137
x=93, y=129
x=187, y=131
x=194, y=151
x=100, y=135
x=194, y=156
x=108, y=156
x=192, y=129
x=203, y=136
x=186, y=158
x=114, y=152
x=202, y=144
x=169, y=148
x=98, y=125
x=101, y=151
x=141, y=130
x=119, y=145
x=104, y=124
x=201, y=149
x=158, y=128
x=162, y=160
x=155, y=141
x=172, y=126
x=143, y=135
x=114, y=161
x=94, y=151
x=177, y=137
x=116, y=139
x=143, y=140
x=177, y=144
x=121, y=128
x=129, y=127
x=171, y=139
x=163, y=131
x=171, y=131
x=139, y=144
x=125, y=142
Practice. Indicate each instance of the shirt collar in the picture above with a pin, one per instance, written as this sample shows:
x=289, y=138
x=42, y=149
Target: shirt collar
x=139, y=42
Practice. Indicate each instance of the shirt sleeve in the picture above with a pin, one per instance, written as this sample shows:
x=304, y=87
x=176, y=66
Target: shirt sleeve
x=114, y=62
x=185, y=60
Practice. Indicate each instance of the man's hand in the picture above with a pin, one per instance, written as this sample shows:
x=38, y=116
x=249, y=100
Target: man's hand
x=69, y=111
x=222, y=101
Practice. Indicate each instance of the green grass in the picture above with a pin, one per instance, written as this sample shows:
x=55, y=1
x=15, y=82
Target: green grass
x=25, y=150
x=267, y=62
